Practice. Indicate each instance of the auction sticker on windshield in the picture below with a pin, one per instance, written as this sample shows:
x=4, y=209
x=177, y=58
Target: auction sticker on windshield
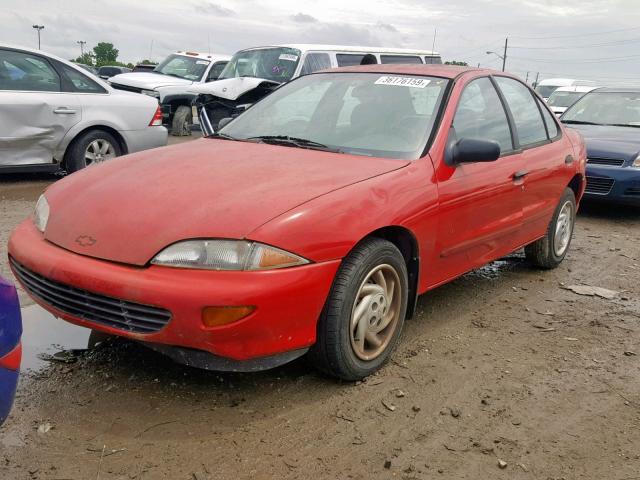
x=288, y=56
x=403, y=81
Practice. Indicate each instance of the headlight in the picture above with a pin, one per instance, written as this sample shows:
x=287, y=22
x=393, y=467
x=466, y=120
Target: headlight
x=226, y=255
x=636, y=162
x=41, y=215
x=151, y=93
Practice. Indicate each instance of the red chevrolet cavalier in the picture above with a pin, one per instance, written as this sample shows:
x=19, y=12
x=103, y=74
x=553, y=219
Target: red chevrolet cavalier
x=311, y=222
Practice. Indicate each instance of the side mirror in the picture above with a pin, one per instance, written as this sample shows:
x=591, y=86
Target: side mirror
x=223, y=122
x=472, y=150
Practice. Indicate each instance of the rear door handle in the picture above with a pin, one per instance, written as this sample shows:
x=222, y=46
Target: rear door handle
x=64, y=111
x=520, y=174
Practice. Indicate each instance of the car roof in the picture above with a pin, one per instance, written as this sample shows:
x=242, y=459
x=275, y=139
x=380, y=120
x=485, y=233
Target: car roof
x=576, y=88
x=215, y=57
x=435, y=70
x=348, y=48
x=618, y=90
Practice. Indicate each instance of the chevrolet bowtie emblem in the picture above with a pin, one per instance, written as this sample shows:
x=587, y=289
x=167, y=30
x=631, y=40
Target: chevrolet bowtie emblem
x=86, y=241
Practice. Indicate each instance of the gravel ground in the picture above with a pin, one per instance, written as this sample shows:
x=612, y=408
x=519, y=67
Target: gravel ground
x=501, y=365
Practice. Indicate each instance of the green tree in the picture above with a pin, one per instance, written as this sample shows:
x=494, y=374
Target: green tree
x=106, y=54
x=455, y=62
x=87, y=58
x=147, y=62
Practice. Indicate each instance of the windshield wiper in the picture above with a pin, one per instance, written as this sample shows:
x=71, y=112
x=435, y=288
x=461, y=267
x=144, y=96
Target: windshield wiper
x=579, y=122
x=294, y=141
x=624, y=125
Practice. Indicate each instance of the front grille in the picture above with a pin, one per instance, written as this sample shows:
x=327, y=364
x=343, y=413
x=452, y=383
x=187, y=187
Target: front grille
x=599, y=185
x=92, y=307
x=612, y=162
x=126, y=88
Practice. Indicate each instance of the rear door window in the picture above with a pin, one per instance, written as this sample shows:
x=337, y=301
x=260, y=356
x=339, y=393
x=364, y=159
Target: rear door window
x=400, y=59
x=526, y=115
x=80, y=82
x=314, y=62
x=480, y=115
x=27, y=72
x=349, y=59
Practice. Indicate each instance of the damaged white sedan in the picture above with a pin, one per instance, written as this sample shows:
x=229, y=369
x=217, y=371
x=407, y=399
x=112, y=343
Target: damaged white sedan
x=56, y=116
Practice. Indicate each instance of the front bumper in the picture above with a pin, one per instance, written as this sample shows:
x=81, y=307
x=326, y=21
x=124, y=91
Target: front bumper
x=288, y=301
x=8, y=383
x=613, y=184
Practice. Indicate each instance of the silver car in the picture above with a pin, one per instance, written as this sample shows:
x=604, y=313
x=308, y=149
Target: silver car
x=55, y=115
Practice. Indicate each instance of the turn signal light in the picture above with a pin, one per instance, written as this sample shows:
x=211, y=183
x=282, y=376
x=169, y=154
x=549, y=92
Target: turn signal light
x=218, y=316
x=156, y=121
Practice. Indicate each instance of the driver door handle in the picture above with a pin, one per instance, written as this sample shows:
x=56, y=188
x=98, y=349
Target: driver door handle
x=520, y=174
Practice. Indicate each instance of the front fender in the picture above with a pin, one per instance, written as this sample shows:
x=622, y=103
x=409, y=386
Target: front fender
x=329, y=226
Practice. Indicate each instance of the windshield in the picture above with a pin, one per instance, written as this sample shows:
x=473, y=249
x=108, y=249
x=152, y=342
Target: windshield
x=276, y=64
x=564, y=99
x=545, y=90
x=189, y=68
x=606, y=108
x=360, y=113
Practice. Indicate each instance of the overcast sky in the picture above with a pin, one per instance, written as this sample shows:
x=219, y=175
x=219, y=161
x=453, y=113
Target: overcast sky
x=595, y=39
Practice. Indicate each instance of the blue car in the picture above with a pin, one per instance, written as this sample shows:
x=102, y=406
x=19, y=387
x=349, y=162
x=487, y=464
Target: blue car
x=10, y=346
x=609, y=120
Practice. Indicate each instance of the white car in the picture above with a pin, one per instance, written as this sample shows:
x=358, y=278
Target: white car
x=563, y=97
x=56, y=116
x=169, y=82
x=546, y=87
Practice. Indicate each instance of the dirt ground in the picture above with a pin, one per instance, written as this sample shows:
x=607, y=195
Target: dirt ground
x=503, y=364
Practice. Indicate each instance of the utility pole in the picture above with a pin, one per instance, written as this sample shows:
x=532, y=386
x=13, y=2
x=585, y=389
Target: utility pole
x=527, y=79
x=82, y=43
x=38, y=28
x=504, y=57
x=433, y=46
x=536, y=82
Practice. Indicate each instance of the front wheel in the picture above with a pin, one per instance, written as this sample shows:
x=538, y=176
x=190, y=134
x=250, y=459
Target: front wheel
x=364, y=313
x=549, y=251
x=182, y=120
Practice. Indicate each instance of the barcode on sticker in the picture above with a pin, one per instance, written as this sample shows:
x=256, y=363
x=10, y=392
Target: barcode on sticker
x=288, y=56
x=403, y=81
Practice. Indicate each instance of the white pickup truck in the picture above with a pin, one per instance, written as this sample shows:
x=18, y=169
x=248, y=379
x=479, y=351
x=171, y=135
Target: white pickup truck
x=170, y=82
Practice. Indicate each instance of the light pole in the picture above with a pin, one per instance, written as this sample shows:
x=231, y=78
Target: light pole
x=38, y=27
x=82, y=44
x=504, y=56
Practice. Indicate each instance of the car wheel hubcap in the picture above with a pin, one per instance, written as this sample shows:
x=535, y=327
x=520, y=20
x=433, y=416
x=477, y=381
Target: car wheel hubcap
x=564, y=229
x=375, y=313
x=98, y=151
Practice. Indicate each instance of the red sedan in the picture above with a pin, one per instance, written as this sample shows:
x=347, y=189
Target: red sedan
x=311, y=222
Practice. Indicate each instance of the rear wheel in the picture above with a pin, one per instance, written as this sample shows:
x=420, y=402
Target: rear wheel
x=550, y=250
x=365, y=312
x=182, y=120
x=92, y=147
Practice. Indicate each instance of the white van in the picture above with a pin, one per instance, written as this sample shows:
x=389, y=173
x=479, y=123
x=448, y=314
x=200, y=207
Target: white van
x=546, y=87
x=254, y=72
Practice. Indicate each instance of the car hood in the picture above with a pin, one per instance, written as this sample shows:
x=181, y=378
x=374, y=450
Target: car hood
x=148, y=80
x=230, y=88
x=606, y=141
x=130, y=208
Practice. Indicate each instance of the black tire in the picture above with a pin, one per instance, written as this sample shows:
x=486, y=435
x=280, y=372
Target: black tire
x=542, y=252
x=181, y=122
x=333, y=352
x=75, y=157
